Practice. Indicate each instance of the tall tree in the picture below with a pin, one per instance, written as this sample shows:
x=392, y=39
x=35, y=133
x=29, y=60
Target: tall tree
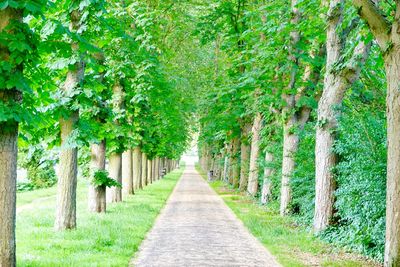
x=67, y=181
x=387, y=35
x=115, y=164
x=9, y=97
x=18, y=53
x=252, y=186
x=290, y=138
x=336, y=82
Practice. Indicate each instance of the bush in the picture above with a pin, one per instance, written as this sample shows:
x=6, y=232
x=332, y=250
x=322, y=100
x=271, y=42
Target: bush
x=361, y=178
x=101, y=178
x=303, y=180
x=23, y=186
x=39, y=164
x=361, y=182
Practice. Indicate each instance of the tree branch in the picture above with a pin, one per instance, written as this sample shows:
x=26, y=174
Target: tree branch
x=378, y=24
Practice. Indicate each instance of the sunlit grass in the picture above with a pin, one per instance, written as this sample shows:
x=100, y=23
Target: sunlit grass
x=109, y=239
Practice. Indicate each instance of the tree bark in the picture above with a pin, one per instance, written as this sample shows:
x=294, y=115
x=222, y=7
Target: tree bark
x=115, y=166
x=244, y=159
x=290, y=138
x=392, y=248
x=66, y=192
x=157, y=168
x=226, y=165
x=149, y=172
x=8, y=178
x=235, y=162
x=231, y=162
x=266, y=192
x=335, y=86
x=153, y=170
x=67, y=182
x=97, y=194
x=127, y=173
x=115, y=161
x=8, y=159
x=136, y=167
x=162, y=166
x=290, y=147
x=252, y=186
x=144, y=170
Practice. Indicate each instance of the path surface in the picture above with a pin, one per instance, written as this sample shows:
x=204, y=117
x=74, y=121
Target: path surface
x=196, y=228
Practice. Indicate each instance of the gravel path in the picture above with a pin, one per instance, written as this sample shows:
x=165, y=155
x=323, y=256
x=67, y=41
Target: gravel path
x=196, y=228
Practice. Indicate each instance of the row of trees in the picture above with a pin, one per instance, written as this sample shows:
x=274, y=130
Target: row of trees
x=288, y=79
x=92, y=77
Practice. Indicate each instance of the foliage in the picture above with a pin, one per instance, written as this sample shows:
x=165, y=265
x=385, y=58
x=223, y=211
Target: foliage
x=361, y=177
x=24, y=186
x=254, y=59
x=101, y=178
x=39, y=164
x=206, y=66
x=303, y=181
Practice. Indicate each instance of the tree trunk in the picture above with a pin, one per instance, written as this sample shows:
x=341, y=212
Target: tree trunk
x=149, y=172
x=290, y=137
x=169, y=165
x=392, y=247
x=235, y=162
x=387, y=35
x=127, y=173
x=66, y=194
x=290, y=147
x=153, y=171
x=97, y=194
x=220, y=167
x=226, y=164
x=144, y=170
x=162, y=166
x=115, y=166
x=8, y=178
x=136, y=167
x=252, y=186
x=157, y=168
x=67, y=182
x=266, y=192
x=8, y=159
x=231, y=162
x=335, y=85
x=244, y=159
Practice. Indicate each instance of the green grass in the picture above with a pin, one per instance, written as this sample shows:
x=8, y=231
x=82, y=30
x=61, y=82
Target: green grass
x=291, y=245
x=109, y=239
x=28, y=197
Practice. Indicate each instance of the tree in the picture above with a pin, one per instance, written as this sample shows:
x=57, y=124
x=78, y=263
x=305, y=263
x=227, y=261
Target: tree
x=339, y=76
x=387, y=36
x=66, y=190
x=9, y=95
x=17, y=50
x=252, y=186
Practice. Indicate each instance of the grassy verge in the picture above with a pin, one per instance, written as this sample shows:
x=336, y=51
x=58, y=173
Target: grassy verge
x=109, y=239
x=28, y=197
x=290, y=244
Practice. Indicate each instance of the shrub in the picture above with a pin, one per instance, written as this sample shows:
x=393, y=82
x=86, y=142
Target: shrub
x=39, y=164
x=361, y=179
